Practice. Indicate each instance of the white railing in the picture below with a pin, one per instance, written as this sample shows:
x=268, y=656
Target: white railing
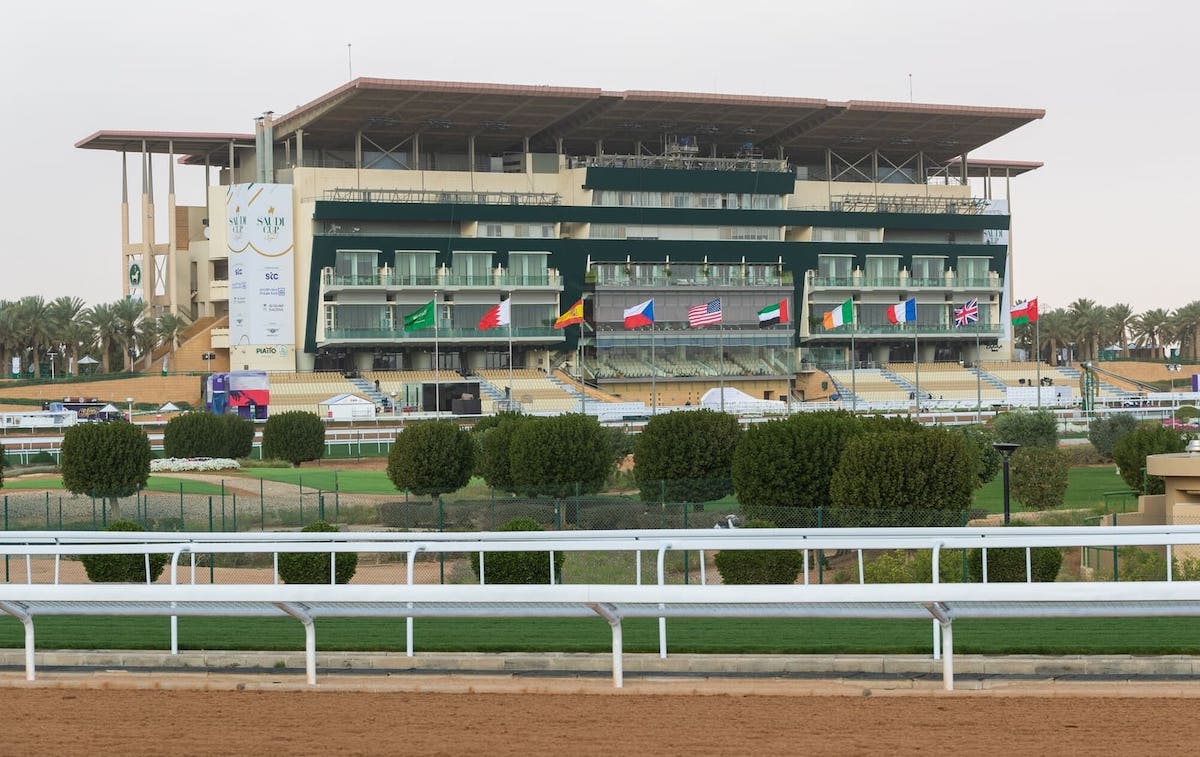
x=943, y=602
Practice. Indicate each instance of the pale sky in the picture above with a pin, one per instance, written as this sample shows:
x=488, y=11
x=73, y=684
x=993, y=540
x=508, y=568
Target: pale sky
x=1104, y=219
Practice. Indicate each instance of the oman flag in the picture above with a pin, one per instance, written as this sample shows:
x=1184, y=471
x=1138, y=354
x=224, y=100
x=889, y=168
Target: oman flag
x=1025, y=313
x=499, y=315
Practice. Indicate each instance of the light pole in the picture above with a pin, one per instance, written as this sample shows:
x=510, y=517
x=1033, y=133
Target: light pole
x=1006, y=449
x=1172, y=368
x=208, y=358
x=51, y=353
x=130, y=401
x=393, y=403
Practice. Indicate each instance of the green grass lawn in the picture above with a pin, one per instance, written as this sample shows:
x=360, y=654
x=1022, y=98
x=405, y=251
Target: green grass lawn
x=167, y=484
x=1086, y=487
x=1051, y=636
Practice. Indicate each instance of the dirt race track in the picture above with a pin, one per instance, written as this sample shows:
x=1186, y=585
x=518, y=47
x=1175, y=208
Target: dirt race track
x=86, y=720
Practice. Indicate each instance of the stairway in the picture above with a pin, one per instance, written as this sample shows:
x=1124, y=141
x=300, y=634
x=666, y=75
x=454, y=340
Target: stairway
x=989, y=379
x=496, y=395
x=366, y=387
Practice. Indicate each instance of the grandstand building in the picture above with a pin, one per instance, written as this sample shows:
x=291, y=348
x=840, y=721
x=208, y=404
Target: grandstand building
x=328, y=227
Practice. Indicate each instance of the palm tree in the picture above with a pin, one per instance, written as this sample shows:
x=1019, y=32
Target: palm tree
x=10, y=333
x=35, y=329
x=1054, y=329
x=128, y=314
x=1117, y=320
x=64, y=313
x=1087, y=321
x=102, y=319
x=1186, y=327
x=169, y=327
x=1150, y=328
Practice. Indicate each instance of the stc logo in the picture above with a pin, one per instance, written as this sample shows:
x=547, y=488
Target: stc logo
x=237, y=271
x=271, y=276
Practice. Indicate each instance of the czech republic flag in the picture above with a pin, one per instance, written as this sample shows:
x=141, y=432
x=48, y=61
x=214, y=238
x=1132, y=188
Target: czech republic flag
x=640, y=315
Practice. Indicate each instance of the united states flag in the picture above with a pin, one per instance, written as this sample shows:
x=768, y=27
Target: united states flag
x=967, y=314
x=706, y=314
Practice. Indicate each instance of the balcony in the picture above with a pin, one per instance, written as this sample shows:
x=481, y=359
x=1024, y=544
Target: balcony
x=444, y=333
x=905, y=331
x=902, y=281
x=219, y=338
x=218, y=290
x=445, y=278
x=603, y=276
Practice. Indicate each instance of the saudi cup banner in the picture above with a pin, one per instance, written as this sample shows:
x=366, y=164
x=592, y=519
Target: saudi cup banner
x=260, y=239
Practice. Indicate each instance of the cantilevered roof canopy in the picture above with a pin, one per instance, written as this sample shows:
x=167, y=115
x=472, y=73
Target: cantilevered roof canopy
x=501, y=117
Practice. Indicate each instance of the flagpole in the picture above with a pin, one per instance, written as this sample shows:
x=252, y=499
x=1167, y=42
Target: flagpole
x=853, y=371
x=510, y=361
x=917, y=366
x=437, y=381
x=1037, y=354
x=721, y=349
x=978, y=377
x=653, y=374
x=582, y=388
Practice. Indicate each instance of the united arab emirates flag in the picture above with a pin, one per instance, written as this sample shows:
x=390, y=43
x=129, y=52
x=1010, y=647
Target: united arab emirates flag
x=773, y=314
x=422, y=318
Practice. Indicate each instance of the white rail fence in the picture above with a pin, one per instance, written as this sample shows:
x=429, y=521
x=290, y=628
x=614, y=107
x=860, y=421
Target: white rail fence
x=943, y=602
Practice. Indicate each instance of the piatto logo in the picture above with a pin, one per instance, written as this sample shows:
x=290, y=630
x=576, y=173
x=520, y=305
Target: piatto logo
x=265, y=351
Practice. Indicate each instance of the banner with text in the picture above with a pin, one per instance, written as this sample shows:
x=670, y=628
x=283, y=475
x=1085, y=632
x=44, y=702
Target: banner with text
x=260, y=240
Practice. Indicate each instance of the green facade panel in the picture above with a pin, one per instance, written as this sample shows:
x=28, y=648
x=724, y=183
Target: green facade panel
x=336, y=210
x=681, y=180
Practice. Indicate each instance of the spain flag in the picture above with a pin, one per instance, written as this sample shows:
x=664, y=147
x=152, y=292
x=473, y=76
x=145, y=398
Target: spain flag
x=573, y=315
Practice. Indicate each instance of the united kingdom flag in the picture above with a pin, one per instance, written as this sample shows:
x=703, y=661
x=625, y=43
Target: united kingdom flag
x=967, y=314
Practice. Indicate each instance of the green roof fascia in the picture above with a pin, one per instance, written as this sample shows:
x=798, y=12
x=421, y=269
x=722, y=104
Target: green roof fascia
x=682, y=180
x=570, y=257
x=333, y=210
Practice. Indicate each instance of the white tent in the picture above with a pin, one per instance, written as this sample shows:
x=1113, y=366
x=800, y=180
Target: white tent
x=347, y=407
x=737, y=401
x=170, y=407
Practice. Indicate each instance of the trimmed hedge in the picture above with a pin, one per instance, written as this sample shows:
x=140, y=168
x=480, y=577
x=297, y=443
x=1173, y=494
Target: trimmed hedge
x=296, y=436
x=313, y=567
x=759, y=566
x=208, y=435
x=519, y=567
x=123, y=568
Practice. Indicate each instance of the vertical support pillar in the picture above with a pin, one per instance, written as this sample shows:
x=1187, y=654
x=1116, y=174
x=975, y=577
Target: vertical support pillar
x=172, y=238
x=358, y=150
x=232, y=160
x=471, y=153
x=948, y=656
x=875, y=170
x=416, y=140
x=963, y=165
x=299, y=148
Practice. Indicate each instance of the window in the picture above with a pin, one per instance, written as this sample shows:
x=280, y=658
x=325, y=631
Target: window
x=416, y=267
x=883, y=270
x=527, y=268
x=973, y=270
x=355, y=266
x=491, y=230
x=472, y=267
x=928, y=270
x=833, y=268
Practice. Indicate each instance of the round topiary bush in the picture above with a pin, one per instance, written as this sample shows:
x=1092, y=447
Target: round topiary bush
x=518, y=567
x=313, y=567
x=1008, y=565
x=123, y=568
x=759, y=566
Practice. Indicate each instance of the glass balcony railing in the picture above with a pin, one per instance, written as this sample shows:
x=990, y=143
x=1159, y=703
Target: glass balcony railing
x=903, y=282
x=442, y=333
x=499, y=279
x=621, y=279
x=818, y=329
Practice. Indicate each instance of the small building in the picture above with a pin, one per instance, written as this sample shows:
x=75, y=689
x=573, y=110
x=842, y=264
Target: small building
x=347, y=407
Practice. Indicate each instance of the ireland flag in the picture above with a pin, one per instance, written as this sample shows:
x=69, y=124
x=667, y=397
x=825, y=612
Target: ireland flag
x=842, y=315
x=773, y=314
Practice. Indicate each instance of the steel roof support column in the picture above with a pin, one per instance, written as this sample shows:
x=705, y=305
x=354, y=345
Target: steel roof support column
x=471, y=154
x=299, y=148
x=300, y=613
x=610, y=613
x=20, y=613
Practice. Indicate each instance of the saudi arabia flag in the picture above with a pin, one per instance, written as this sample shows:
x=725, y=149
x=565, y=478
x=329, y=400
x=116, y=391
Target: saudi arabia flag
x=422, y=318
x=773, y=314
